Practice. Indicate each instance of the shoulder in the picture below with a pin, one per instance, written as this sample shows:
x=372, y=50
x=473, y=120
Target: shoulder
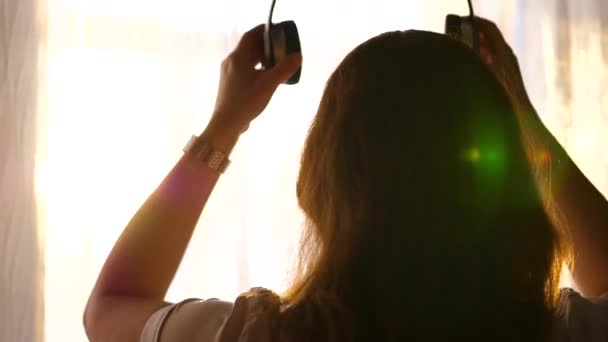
x=254, y=318
x=581, y=319
x=192, y=319
x=253, y=313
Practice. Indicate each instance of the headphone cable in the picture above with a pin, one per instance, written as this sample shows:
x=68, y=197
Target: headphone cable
x=269, y=32
x=472, y=19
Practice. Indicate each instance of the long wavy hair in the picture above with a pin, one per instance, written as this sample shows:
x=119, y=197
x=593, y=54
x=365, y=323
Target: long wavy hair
x=423, y=218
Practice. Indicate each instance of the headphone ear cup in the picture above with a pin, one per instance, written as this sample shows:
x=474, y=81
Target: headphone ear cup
x=292, y=45
x=453, y=26
x=461, y=30
x=280, y=40
x=268, y=61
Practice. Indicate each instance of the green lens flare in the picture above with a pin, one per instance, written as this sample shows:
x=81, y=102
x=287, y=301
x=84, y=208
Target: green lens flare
x=490, y=157
x=472, y=155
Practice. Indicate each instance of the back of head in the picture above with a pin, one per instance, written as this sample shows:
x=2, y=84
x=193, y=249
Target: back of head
x=424, y=221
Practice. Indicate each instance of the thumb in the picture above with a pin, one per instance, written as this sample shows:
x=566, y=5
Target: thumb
x=285, y=69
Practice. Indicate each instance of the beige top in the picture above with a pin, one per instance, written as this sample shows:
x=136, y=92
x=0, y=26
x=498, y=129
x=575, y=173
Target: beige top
x=577, y=319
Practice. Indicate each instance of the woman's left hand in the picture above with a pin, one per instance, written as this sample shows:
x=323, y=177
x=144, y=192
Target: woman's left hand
x=244, y=91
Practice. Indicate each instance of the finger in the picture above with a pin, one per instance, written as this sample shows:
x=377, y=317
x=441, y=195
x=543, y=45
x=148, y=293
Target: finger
x=251, y=46
x=252, y=36
x=486, y=56
x=284, y=70
x=487, y=25
x=492, y=36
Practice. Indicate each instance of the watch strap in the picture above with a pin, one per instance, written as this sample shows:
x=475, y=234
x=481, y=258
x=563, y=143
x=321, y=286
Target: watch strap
x=203, y=151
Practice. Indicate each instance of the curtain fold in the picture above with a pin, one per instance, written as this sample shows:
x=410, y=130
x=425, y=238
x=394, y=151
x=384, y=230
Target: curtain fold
x=21, y=276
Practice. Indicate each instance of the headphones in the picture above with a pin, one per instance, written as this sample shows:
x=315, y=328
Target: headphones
x=463, y=30
x=282, y=38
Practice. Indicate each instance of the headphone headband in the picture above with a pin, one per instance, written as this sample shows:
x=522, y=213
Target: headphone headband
x=282, y=39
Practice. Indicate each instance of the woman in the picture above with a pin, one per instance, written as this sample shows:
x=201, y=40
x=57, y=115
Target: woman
x=419, y=181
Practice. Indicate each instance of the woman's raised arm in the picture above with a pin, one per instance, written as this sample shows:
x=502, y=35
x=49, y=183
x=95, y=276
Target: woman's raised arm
x=137, y=273
x=582, y=211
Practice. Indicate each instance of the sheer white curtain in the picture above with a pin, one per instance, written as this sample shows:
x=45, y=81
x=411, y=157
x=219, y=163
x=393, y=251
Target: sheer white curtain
x=127, y=82
x=21, y=303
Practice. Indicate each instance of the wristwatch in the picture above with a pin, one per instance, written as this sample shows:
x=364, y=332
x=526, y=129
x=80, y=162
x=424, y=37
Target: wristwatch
x=203, y=151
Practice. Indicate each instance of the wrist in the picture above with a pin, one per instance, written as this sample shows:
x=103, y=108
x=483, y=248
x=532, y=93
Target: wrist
x=221, y=137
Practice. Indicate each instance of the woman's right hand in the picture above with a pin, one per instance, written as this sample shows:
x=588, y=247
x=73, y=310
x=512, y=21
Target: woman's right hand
x=499, y=56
